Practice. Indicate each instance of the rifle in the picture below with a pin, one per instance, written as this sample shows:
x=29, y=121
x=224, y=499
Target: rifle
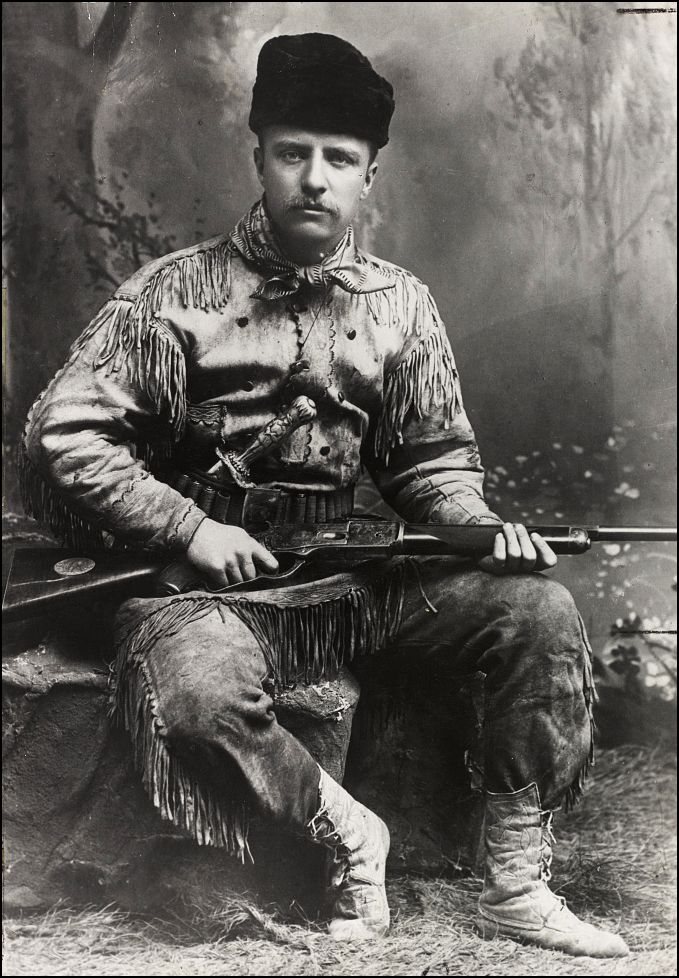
x=43, y=581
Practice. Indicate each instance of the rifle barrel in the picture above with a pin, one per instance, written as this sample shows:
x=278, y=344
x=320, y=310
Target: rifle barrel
x=478, y=539
x=633, y=534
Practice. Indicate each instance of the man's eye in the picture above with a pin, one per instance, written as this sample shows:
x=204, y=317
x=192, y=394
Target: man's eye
x=291, y=156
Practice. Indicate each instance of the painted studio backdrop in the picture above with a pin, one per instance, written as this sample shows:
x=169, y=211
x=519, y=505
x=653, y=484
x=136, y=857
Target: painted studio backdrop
x=529, y=181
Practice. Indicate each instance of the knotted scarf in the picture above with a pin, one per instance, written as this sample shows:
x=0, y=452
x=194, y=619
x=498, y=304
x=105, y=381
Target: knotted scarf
x=254, y=239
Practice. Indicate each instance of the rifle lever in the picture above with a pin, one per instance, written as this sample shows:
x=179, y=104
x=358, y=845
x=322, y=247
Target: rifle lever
x=180, y=577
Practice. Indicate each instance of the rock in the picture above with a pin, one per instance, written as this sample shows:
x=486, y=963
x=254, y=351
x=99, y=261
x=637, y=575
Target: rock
x=78, y=824
x=415, y=760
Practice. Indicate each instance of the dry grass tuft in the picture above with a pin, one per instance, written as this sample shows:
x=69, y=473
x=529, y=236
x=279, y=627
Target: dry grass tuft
x=615, y=863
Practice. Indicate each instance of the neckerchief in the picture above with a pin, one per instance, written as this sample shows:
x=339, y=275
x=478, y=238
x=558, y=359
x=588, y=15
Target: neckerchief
x=254, y=239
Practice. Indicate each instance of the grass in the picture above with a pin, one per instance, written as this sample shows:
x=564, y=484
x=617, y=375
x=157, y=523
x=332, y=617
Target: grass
x=615, y=863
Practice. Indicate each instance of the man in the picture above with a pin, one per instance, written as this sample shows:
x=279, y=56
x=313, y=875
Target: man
x=197, y=352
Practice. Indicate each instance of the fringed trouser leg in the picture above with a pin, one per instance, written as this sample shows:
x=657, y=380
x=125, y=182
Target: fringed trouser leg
x=192, y=672
x=191, y=694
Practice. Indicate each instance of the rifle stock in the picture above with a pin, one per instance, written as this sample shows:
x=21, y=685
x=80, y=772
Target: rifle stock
x=41, y=582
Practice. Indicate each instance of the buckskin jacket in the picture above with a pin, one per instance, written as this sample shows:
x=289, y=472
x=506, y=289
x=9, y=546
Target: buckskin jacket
x=184, y=353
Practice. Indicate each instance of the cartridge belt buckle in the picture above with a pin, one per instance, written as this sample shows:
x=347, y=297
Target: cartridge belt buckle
x=260, y=506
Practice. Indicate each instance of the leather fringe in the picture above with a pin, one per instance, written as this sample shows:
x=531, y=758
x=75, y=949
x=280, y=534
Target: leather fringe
x=426, y=378
x=201, y=279
x=309, y=643
x=48, y=507
x=576, y=789
x=300, y=643
x=139, y=343
x=136, y=341
x=179, y=797
x=407, y=306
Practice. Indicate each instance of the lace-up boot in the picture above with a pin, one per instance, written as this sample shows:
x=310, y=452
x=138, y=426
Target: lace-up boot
x=516, y=901
x=358, y=840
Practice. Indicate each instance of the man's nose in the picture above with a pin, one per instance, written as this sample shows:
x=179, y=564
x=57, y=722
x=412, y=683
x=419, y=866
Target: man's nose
x=314, y=179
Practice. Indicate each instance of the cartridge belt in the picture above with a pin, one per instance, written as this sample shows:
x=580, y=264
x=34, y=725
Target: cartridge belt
x=230, y=504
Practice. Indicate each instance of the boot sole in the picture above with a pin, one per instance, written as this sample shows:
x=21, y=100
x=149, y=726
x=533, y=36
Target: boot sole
x=489, y=930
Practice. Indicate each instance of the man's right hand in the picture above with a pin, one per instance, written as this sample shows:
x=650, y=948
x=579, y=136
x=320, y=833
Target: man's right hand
x=226, y=555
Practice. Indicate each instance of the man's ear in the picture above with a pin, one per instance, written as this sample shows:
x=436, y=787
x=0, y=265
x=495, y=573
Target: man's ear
x=370, y=175
x=258, y=156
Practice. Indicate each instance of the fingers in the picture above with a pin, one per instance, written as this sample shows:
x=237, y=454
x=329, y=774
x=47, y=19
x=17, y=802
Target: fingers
x=233, y=572
x=514, y=554
x=515, y=551
x=250, y=562
x=529, y=556
x=497, y=565
x=247, y=568
x=264, y=559
x=545, y=555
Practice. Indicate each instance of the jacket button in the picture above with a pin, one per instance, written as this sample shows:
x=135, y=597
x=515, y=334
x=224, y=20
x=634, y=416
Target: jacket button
x=248, y=386
x=242, y=321
x=351, y=334
x=325, y=450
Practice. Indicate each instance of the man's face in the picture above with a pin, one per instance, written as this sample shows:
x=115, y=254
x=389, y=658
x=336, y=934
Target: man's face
x=313, y=184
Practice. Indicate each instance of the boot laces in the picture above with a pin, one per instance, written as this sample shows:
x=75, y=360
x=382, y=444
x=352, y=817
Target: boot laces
x=546, y=846
x=324, y=831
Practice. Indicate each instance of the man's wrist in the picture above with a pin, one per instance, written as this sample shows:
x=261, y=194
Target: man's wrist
x=185, y=528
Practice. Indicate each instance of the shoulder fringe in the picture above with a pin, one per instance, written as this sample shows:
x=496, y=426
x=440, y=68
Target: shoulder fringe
x=408, y=301
x=425, y=379
x=192, y=805
x=136, y=341
x=300, y=643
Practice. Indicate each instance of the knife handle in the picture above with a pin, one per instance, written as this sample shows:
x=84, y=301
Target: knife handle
x=301, y=411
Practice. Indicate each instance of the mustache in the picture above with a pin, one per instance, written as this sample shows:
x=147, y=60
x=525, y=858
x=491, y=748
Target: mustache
x=304, y=203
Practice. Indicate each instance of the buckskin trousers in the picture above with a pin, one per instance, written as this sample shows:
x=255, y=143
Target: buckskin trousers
x=207, y=695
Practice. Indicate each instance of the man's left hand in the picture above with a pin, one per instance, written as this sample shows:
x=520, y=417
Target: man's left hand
x=518, y=552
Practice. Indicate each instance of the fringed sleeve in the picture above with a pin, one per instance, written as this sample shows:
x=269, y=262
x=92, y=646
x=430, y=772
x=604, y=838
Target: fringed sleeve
x=424, y=457
x=119, y=398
